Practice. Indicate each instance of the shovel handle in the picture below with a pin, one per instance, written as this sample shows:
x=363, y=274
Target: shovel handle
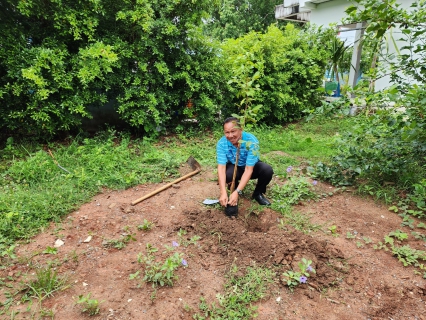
x=234, y=175
x=165, y=186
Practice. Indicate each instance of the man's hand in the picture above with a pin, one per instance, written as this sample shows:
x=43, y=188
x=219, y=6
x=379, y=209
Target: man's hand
x=233, y=199
x=223, y=200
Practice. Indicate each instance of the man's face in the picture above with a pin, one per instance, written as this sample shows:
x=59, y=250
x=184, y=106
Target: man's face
x=232, y=132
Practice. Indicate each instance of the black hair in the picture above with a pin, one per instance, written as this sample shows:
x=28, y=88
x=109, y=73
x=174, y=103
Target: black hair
x=231, y=119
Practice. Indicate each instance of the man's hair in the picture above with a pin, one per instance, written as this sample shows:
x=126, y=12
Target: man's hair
x=231, y=119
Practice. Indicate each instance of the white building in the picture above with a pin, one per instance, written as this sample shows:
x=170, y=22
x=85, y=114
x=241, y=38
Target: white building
x=325, y=12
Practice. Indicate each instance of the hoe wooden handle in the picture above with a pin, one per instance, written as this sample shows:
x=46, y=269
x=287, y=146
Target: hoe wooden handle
x=166, y=186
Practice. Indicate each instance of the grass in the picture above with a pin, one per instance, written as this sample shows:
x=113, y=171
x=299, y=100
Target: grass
x=313, y=141
x=47, y=282
x=43, y=285
x=35, y=190
x=88, y=305
x=239, y=294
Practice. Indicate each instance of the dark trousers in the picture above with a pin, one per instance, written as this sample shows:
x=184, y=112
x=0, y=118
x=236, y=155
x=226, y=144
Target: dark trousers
x=262, y=172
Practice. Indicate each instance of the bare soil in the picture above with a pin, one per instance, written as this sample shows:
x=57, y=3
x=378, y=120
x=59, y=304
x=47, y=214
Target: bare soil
x=352, y=280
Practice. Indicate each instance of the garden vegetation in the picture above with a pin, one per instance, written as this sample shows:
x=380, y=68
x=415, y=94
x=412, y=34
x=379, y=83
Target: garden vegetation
x=160, y=70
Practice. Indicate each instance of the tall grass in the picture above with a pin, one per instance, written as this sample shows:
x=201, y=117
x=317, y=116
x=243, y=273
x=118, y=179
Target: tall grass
x=35, y=190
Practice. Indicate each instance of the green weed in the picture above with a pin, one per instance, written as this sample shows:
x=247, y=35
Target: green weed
x=408, y=255
x=7, y=251
x=186, y=242
x=418, y=235
x=297, y=189
x=405, y=254
x=349, y=235
x=398, y=234
x=90, y=306
x=50, y=250
x=74, y=256
x=240, y=293
x=159, y=273
x=367, y=240
x=297, y=220
x=46, y=283
x=333, y=230
x=294, y=278
x=119, y=243
x=146, y=226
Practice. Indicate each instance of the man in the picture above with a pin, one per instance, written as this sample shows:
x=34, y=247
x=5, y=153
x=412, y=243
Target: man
x=249, y=166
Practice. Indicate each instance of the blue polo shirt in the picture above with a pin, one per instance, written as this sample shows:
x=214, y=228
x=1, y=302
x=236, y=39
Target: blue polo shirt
x=249, y=151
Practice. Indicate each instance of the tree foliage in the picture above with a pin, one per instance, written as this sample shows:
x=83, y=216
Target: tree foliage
x=407, y=66
x=235, y=18
x=384, y=17
x=60, y=57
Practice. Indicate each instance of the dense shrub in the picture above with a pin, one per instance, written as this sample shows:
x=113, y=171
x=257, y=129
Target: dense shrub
x=292, y=64
x=60, y=59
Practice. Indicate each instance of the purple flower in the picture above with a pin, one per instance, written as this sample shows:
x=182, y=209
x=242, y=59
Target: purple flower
x=315, y=182
x=309, y=268
x=289, y=168
x=303, y=279
x=175, y=244
x=184, y=263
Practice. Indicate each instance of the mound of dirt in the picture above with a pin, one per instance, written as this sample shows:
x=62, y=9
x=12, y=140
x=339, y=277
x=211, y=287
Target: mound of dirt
x=257, y=240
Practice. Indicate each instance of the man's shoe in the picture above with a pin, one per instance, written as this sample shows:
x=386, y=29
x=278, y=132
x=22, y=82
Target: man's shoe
x=261, y=199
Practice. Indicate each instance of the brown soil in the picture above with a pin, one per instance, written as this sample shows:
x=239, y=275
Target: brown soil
x=351, y=281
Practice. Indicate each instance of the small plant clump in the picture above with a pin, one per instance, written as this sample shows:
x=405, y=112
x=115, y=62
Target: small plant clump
x=333, y=230
x=297, y=188
x=146, y=226
x=119, y=243
x=240, y=293
x=405, y=254
x=7, y=251
x=90, y=306
x=160, y=273
x=184, y=241
x=46, y=283
x=295, y=278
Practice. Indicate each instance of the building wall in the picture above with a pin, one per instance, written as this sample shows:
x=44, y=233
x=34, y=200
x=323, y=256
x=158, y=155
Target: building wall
x=334, y=11
x=329, y=12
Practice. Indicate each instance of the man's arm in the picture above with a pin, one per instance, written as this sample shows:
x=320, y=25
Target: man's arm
x=245, y=177
x=221, y=174
x=233, y=198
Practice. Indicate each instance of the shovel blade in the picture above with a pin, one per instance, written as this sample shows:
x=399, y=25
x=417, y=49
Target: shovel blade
x=210, y=201
x=193, y=163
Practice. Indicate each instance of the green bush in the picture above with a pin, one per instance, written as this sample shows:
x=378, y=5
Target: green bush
x=291, y=63
x=145, y=59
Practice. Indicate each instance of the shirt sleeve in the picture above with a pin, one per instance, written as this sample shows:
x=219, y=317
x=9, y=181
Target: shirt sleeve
x=221, y=149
